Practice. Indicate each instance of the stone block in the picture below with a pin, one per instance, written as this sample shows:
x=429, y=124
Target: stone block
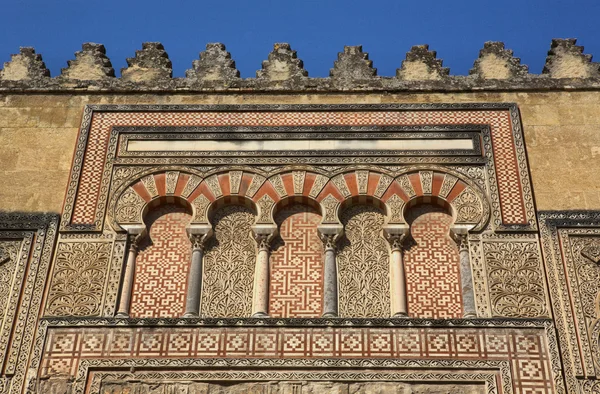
x=496, y=62
x=421, y=65
x=25, y=66
x=567, y=60
x=353, y=65
x=215, y=64
x=149, y=65
x=90, y=64
x=282, y=65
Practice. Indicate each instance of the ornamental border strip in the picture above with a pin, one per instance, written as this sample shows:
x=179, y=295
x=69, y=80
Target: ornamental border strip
x=72, y=321
x=494, y=367
x=81, y=145
x=486, y=377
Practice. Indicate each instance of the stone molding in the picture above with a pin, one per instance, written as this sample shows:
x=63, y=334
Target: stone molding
x=574, y=289
x=36, y=234
x=567, y=68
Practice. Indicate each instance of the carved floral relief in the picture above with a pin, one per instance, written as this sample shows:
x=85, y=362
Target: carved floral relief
x=515, y=279
x=363, y=264
x=229, y=264
x=78, y=279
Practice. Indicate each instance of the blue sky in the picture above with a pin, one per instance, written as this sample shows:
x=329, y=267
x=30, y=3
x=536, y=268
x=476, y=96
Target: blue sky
x=318, y=30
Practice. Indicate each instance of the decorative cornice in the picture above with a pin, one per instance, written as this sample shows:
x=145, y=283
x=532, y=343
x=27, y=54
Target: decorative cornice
x=291, y=322
x=496, y=69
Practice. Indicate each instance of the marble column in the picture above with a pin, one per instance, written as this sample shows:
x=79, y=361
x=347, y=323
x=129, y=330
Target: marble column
x=466, y=276
x=129, y=274
x=260, y=300
x=330, y=280
x=194, y=284
x=398, y=277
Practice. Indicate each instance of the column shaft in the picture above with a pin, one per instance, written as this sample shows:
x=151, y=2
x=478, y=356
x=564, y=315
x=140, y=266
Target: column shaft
x=330, y=290
x=466, y=276
x=260, y=302
x=194, y=285
x=399, y=302
x=126, y=289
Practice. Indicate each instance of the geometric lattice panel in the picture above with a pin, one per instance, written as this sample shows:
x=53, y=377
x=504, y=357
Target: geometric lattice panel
x=162, y=265
x=433, y=268
x=527, y=349
x=297, y=265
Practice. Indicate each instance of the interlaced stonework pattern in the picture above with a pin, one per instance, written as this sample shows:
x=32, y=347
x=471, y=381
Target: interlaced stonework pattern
x=162, y=265
x=432, y=267
x=363, y=263
x=229, y=264
x=297, y=265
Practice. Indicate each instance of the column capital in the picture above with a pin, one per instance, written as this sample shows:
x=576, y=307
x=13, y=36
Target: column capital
x=263, y=241
x=330, y=234
x=198, y=241
x=461, y=239
x=396, y=241
x=263, y=235
x=396, y=235
x=198, y=235
x=135, y=234
x=330, y=241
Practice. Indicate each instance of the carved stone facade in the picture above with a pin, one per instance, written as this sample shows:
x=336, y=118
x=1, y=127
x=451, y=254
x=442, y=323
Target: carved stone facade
x=300, y=248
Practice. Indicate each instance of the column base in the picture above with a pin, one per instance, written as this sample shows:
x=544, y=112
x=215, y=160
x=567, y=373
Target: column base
x=260, y=315
x=189, y=315
x=400, y=315
x=329, y=315
x=470, y=316
x=122, y=315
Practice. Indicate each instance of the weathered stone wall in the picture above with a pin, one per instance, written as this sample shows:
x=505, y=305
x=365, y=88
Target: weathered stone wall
x=38, y=133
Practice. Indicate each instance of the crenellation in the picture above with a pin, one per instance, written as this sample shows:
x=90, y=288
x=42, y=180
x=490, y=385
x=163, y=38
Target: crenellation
x=149, y=64
x=496, y=62
x=567, y=60
x=352, y=66
x=214, y=66
x=421, y=64
x=90, y=64
x=496, y=69
x=24, y=66
x=282, y=65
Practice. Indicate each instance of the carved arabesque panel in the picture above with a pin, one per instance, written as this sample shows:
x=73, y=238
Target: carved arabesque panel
x=78, y=279
x=515, y=279
x=363, y=264
x=229, y=264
